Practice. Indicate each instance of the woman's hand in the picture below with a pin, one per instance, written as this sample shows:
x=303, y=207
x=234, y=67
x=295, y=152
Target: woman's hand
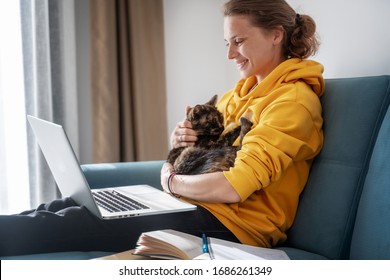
x=183, y=135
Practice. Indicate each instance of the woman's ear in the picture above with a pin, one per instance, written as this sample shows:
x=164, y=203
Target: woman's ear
x=278, y=35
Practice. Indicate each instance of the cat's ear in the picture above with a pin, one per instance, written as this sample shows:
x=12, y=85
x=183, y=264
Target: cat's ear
x=213, y=100
x=196, y=109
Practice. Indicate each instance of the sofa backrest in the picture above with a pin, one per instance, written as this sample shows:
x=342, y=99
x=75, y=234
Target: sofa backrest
x=371, y=234
x=353, y=110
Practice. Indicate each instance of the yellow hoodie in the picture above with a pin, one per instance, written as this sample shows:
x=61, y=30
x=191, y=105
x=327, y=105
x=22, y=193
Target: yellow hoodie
x=272, y=167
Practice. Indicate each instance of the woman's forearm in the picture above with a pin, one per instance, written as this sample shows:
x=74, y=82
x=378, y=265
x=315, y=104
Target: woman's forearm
x=210, y=187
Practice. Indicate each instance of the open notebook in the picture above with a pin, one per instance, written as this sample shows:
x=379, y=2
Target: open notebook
x=172, y=244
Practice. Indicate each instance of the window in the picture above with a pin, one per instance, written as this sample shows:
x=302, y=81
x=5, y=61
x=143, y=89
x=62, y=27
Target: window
x=14, y=180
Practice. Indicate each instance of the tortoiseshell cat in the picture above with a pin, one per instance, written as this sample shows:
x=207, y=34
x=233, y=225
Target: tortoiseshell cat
x=212, y=151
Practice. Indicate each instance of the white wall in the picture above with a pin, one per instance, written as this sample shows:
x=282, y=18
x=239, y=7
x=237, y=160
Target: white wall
x=196, y=64
x=355, y=36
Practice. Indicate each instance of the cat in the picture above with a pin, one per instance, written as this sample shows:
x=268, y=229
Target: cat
x=212, y=151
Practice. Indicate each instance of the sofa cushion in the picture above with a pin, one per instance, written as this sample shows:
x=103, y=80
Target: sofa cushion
x=297, y=254
x=372, y=228
x=353, y=110
x=103, y=175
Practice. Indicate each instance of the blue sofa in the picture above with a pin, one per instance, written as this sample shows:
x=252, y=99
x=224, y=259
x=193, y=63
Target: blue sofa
x=344, y=212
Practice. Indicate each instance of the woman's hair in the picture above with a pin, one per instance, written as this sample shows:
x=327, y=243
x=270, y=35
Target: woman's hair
x=300, y=39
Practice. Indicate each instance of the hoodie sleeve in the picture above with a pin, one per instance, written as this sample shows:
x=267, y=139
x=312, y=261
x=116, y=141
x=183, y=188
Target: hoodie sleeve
x=286, y=134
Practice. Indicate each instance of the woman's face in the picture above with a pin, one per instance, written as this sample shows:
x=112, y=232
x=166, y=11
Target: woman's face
x=256, y=51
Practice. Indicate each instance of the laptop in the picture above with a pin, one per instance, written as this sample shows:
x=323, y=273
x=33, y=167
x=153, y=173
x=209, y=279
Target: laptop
x=106, y=203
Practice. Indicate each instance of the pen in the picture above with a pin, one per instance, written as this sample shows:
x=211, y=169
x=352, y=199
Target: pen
x=205, y=245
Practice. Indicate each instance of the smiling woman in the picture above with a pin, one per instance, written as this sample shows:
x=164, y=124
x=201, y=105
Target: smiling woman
x=14, y=193
x=253, y=49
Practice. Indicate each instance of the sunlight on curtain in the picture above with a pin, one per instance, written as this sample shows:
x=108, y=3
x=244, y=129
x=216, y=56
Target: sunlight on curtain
x=37, y=77
x=14, y=190
x=49, y=63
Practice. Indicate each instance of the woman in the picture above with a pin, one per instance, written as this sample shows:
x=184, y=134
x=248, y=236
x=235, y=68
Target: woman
x=255, y=201
x=257, y=198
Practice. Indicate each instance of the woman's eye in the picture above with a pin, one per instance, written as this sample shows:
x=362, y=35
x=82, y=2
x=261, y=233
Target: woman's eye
x=238, y=42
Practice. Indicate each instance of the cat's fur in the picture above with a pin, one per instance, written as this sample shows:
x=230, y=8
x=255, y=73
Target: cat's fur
x=212, y=151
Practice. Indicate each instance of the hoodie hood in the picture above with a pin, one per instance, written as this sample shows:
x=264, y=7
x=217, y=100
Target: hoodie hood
x=289, y=71
x=235, y=102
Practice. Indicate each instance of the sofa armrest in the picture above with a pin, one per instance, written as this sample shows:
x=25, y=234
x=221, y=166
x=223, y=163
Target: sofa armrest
x=101, y=175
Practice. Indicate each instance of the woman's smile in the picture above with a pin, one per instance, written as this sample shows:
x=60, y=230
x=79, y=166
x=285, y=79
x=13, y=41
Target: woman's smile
x=241, y=64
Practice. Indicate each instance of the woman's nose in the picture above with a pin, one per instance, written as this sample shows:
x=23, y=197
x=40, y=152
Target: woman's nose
x=231, y=52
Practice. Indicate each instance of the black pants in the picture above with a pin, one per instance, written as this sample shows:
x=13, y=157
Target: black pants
x=64, y=226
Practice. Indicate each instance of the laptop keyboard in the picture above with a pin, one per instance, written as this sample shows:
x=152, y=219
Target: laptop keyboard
x=113, y=201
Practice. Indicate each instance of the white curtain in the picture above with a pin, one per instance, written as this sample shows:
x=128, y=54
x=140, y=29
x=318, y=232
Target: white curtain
x=50, y=81
x=49, y=67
